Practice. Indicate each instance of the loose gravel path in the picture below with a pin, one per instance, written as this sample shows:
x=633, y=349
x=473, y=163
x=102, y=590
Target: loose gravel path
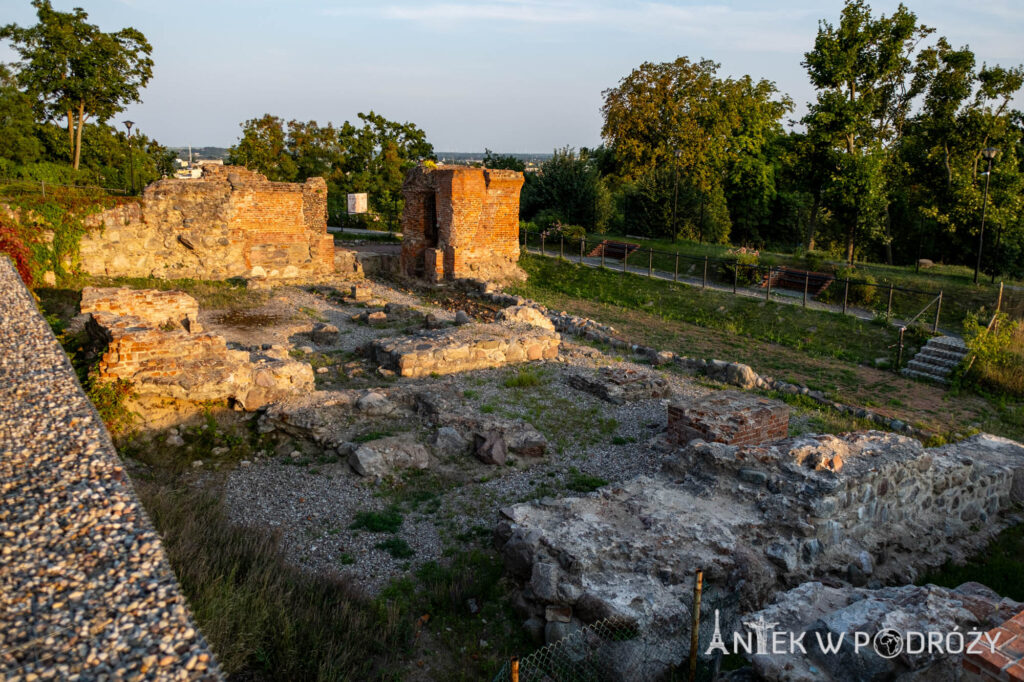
x=85, y=588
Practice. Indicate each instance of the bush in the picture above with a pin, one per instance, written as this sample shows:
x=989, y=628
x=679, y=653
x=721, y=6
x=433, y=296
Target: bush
x=12, y=244
x=387, y=521
x=998, y=354
x=863, y=288
x=746, y=261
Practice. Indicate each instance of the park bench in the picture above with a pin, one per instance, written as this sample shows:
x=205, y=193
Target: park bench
x=791, y=278
x=612, y=249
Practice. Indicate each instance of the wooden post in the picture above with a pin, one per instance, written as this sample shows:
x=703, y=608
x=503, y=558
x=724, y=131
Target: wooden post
x=650, y=262
x=602, y=256
x=735, y=275
x=999, y=299
x=768, y=293
x=625, y=257
x=938, y=311
x=704, y=283
x=698, y=585
x=42, y=185
x=542, y=244
x=515, y=669
x=899, y=355
x=675, y=273
x=561, y=248
x=846, y=294
x=888, y=309
x=583, y=244
x=807, y=283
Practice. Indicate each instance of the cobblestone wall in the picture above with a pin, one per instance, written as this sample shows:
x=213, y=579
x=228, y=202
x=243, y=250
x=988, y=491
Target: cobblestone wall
x=231, y=222
x=461, y=222
x=87, y=590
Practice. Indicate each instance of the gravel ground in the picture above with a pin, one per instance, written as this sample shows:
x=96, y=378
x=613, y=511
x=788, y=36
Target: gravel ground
x=456, y=503
x=87, y=592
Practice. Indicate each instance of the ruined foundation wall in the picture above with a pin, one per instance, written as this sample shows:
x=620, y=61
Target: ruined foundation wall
x=461, y=222
x=232, y=222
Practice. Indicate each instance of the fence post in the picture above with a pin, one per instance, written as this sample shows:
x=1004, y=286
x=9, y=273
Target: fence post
x=583, y=243
x=675, y=273
x=515, y=669
x=768, y=292
x=807, y=283
x=650, y=262
x=735, y=276
x=938, y=310
x=42, y=185
x=888, y=309
x=625, y=257
x=561, y=248
x=602, y=256
x=698, y=585
x=542, y=244
x=704, y=282
x=999, y=299
x=846, y=294
x=899, y=355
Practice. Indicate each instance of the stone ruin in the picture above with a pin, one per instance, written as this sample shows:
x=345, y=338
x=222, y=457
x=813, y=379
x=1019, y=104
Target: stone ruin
x=862, y=508
x=728, y=417
x=461, y=222
x=152, y=339
x=231, y=222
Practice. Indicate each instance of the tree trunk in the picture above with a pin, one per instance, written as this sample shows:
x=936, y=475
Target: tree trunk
x=71, y=136
x=78, y=138
x=888, y=235
x=812, y=224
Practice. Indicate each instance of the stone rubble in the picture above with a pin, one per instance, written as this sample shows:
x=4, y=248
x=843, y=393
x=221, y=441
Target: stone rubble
x=87, y=590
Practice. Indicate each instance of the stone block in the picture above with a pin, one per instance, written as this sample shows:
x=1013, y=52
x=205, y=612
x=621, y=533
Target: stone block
x=728, y=417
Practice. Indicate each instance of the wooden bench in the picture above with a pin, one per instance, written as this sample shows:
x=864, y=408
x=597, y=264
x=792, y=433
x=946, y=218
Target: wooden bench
x=610, y=249
x=790, y=278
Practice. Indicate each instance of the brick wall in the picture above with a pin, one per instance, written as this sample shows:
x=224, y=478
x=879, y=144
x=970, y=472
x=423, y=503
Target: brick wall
x=157, y=308
x=1006, y=662
x=470, y=215
x=728, y=417
x=231, y=222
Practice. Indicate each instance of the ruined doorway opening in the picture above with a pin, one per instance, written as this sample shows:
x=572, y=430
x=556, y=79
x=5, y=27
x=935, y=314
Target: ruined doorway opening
x=430, y=221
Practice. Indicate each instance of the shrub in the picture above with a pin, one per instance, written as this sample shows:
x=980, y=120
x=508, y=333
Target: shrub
x=387, y=521
x=110, y=399
x=584, y=483
x=998, y=354
x=396, y=547
x=526, y=377
x=11, y=243
x=863, y=288
x=745, y=261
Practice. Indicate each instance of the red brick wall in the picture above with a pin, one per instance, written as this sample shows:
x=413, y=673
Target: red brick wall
x=1006, y=662
x=728, y=417
x=477, y=215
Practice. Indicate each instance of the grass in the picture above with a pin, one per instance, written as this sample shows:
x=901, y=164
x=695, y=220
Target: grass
x=584, y=483
x=387, y=521
x=525, y=377
x=211, y=294
x=814, y=332
x=396, y=547
x=999, y=566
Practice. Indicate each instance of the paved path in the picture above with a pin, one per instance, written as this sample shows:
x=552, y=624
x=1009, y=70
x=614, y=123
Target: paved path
x=784, y=296
x=355, y=230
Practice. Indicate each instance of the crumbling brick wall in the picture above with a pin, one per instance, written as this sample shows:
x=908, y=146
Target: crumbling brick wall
x=231, y=222
x=461, y=222
x=729, y=417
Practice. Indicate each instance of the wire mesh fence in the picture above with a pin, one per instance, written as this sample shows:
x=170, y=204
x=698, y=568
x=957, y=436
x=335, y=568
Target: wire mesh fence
x=880, y=294
x=618, y=651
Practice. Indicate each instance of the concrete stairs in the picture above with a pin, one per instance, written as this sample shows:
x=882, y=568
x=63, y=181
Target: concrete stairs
x=937, y=360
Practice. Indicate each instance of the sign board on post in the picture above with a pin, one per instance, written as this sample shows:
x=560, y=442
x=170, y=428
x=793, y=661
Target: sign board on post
x=357, y=203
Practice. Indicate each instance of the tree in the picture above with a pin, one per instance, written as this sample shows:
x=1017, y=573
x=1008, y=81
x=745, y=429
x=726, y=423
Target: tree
x=19, y=142
x=502, y=161
x=866, y=81
x=263, y=148
x=76, y=71
x=571, y=189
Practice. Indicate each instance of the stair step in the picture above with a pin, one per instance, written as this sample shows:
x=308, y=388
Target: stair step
x=947, y=343
x=935, y=351
x=928, y=368
x=937, y=360
x=908, y=372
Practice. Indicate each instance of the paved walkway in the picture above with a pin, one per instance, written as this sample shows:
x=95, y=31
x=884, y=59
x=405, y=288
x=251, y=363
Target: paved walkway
x=785, y=296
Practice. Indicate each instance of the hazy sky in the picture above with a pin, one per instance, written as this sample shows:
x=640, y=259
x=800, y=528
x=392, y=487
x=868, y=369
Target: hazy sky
x=511, y=75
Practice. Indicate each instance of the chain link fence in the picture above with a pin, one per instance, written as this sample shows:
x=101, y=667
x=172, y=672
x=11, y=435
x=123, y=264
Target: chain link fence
x=618, y=651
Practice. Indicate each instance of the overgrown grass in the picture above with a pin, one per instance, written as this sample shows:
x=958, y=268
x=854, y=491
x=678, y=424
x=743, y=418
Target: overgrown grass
x=211, y=294
x=386, y=521
x=814, y=332
x=584, y=483
x=999, y=566
x=525, y=377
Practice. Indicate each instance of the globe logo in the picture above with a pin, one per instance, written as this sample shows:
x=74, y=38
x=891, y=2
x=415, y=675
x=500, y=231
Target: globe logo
x=888, y=643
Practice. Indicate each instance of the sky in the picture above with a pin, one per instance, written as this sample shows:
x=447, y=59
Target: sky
x=510, y=75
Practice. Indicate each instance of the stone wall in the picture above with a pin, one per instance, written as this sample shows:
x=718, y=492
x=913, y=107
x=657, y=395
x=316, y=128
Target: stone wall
x=149, y=346
x=464, y=348
x=461, y=222
x=728, y=417
x=87, y=589
x=232, y=222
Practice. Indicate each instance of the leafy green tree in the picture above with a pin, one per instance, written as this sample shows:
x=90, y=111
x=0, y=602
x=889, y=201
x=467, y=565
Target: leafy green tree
x=77, y=72
x=19, y=143
x=264, y=148
x=571, y=189
x=502, y=161
x=863, y=69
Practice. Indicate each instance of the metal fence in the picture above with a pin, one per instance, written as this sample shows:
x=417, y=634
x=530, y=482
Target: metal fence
x=821, y=290
x=617, y=651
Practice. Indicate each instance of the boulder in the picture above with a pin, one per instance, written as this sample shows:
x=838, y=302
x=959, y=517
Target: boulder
x=449, y=441
x=323, y=334
x=740, y=375
x=382, y=456
x=489, y=447
x=527, y=315
x=375, y=404
x=462, y=318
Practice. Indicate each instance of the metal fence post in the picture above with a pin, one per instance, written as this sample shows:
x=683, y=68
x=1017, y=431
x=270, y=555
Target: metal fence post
x=735, y=275
x=846, y=294
x=561, y=248
x=675, y=273
x=583, y=243
x=768, y=292
x=807, y=283
x=542, y=244
x=625, y=257
x=698, y=585
x=938, y=311
x=888, y=309
x=602, y=256
x=650, y=262
x=704, y=282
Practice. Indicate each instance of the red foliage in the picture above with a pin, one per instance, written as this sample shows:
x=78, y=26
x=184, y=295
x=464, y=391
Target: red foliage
x=12, y=244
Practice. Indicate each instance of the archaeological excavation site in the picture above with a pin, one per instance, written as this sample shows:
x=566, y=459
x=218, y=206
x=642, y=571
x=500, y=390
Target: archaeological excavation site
x=458, y=481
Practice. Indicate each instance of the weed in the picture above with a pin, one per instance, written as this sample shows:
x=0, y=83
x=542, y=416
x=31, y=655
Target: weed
x=346, y=559
x=312, y=314
x=623, y=440
x=525, y=377
x=396, y=547
x=387, y=521
x=584, y=483
x=488, y=408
